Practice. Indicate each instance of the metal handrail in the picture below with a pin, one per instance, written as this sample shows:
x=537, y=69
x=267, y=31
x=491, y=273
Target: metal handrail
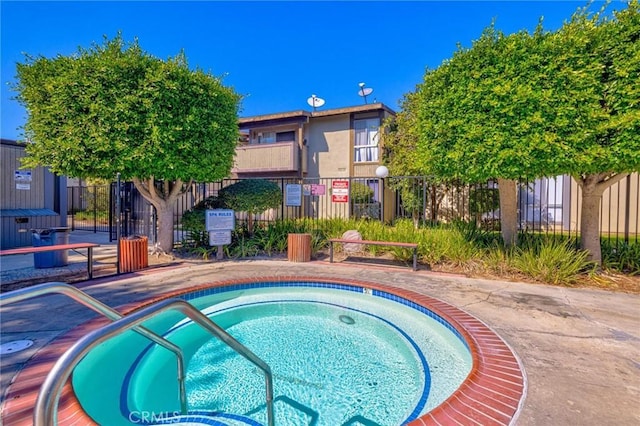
x=48, y=398
x=97, y=306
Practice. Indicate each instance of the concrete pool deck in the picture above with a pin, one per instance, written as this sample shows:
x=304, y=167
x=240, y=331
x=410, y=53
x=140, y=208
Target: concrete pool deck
x=580, y=348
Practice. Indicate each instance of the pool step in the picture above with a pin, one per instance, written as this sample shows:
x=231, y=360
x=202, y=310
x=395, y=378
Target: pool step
x=208, y=418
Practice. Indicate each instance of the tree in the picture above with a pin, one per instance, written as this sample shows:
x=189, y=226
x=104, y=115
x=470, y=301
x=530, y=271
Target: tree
x=597, y=63
x=400, y=141
x=253, y=196
x=469, y=114
x=535, y=105
x=115, y=109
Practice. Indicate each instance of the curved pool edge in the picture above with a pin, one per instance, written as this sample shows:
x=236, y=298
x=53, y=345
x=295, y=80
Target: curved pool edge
x=492, y=393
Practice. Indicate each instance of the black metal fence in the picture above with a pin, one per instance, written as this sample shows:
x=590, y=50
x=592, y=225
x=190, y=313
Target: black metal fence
x=549, y=205
x=88, y=208
x=137, y=215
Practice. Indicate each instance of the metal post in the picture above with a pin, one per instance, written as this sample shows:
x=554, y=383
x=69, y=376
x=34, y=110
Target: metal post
x=627, y=209
x=111, y=208
x=118, y=210
x=283, y=187
x=382, y=200
x=90, y=262
x=73, y=208
x=95, y=209
x=423, y=213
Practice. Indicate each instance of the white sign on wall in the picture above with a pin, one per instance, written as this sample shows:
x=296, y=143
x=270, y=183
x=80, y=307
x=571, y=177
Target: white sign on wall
x=22, y=179
x=293, y=194
x=22, y=176
x=219, y=238
x=220, y=220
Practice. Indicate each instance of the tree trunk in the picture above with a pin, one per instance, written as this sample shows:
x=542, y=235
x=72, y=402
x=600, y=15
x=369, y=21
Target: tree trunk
x=165, y=227
x=590, y=226
x=508, y=211
x=590, y=219
x=593, y=186
x=163, y=199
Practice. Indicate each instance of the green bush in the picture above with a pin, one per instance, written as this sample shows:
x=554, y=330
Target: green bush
x=90, y=215
x=251, y=196
x=242, y=245
x=621, y=256
x=193, y=222
x=552, y=261
x=499, y=260
x=361, y=193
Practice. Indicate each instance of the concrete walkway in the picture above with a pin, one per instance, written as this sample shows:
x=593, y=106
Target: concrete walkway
x=580, y=348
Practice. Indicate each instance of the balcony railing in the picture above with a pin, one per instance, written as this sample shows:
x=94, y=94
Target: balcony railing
x=275, y=157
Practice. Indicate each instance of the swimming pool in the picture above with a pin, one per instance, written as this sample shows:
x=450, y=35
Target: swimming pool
x=339, y=353
x=492, y=392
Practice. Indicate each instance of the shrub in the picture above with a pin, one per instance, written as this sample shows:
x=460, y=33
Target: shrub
x=193, y=221
x=361, y=193
x=621, y=256
x=252, y=196
x=552, y=261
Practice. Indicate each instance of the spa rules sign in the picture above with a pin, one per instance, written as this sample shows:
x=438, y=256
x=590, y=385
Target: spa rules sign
x=220, y=223
x=220, y=220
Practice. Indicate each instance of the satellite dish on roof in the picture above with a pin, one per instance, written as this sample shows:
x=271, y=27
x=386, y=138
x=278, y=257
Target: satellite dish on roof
x=315, y=102
x=364, y=91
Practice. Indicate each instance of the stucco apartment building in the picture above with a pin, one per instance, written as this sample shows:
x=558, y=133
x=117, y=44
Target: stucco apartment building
x=315, y=147
x=341, y=142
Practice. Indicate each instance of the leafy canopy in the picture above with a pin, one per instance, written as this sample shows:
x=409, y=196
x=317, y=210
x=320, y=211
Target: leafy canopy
x=251, y=195
x=530, y=105
x=114, y=108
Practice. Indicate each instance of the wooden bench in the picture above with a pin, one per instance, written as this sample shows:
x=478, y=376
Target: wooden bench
x=412, y=246
x=57, y=247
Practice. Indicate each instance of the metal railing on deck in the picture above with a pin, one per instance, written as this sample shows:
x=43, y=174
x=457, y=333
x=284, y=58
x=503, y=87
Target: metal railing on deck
x=45, y=412
x=97, y=306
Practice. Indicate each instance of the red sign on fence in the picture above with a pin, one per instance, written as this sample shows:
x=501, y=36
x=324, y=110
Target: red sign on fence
x=340, y=191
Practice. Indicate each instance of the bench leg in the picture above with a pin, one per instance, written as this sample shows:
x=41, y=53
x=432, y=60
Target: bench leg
x=90, y=262
x=415, y=259
x=330, y=251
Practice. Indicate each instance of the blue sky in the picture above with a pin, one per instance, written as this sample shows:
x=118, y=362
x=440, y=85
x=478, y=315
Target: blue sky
x=276, y=54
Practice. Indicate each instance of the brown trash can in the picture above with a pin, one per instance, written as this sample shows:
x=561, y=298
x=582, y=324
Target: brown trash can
x=299, y=247
x=134, y=253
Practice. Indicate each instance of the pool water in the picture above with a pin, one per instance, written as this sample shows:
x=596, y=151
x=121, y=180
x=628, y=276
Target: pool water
x=337, y=358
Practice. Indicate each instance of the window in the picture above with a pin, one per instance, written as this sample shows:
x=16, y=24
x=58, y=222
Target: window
x=273, y=137
x=267, y=137
x=366, y=141
x=286, y=136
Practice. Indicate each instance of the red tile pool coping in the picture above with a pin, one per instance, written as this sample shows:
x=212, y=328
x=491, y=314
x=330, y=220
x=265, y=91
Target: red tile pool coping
x=491, y=394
